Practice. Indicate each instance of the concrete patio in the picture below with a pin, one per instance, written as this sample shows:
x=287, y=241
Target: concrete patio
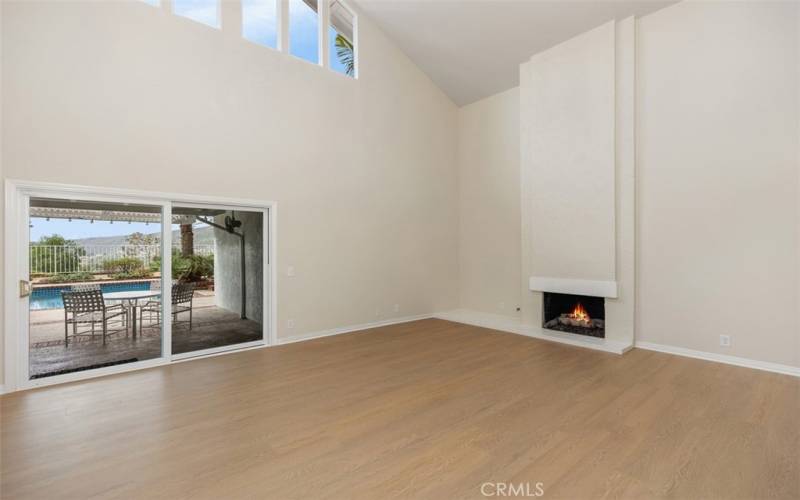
x=212, y=326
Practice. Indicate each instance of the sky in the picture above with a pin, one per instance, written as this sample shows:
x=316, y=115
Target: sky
x=259, y=25
x=78, y=229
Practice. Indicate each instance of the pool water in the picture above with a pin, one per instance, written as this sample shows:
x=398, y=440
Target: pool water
x=50, y=297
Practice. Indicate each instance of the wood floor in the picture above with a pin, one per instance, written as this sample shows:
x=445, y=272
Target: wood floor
x=429, y=409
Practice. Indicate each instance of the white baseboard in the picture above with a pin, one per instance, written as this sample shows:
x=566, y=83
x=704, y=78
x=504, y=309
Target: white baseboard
x=721, y=358
x=351, y=328
x=513, y=325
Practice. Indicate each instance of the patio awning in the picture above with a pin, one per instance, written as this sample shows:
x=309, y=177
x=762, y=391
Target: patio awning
x=98, y=215
x=100, y=211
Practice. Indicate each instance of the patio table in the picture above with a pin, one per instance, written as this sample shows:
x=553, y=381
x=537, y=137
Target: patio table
x=131, y=301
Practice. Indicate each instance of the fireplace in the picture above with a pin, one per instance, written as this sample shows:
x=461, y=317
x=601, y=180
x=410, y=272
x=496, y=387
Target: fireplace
x=579, y=314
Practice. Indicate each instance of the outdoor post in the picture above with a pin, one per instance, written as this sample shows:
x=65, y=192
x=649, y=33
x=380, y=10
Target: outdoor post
x=244, y=284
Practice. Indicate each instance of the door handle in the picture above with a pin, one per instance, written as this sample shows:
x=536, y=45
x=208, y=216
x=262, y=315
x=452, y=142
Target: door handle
x=24, y=288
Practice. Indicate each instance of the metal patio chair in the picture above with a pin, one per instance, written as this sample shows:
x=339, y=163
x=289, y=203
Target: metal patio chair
x=85, y=287
x=87, y=309
x=182, y=298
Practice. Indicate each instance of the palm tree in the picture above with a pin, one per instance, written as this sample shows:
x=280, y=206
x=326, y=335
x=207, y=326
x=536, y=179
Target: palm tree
x=187, y=240
x=344, y=50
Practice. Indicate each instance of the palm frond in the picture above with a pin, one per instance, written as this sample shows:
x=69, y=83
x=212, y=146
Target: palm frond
x=345, y=53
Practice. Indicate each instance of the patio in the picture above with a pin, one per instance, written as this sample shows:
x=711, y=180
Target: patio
x=212, y=326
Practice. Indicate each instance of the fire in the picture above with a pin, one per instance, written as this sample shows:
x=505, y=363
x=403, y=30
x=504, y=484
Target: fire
x=580, y=314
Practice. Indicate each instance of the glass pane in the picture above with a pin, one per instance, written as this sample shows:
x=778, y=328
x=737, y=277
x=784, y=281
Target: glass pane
x=95, y=270
x=217, y=278
x=340, y=38
x=259, y=22
x=202, y=11
x=303, y=29
x=154, y=3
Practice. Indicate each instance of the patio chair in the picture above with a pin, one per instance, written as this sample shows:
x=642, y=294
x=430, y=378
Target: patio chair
x=89, y=309
x=152, y=307
x=182, y=297
x=149, y=307
x=85, y=287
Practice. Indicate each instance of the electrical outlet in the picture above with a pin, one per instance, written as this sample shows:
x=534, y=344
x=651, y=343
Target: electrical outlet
x=290, y=271
x=502, y=306
x=290, y=323
x=725, y=340
x=377, y=311
x=397, y=308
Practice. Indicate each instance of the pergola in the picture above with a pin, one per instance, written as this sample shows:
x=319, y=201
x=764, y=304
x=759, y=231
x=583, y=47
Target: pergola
x=116, y=212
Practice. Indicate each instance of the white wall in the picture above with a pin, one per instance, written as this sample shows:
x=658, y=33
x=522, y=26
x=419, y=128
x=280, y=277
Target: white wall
x=718, y=178
x=568, y=146
x=718, y=181
x=364, y=172
x=2, y=211
x=489, y=249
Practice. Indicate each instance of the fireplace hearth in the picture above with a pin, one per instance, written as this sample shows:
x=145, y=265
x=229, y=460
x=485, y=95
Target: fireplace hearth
x=580, y=314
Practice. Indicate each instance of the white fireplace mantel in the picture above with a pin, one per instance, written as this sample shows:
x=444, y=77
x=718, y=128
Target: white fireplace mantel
x=593, y=288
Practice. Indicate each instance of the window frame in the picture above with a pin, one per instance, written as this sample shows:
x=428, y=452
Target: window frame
x=322, y=5
x=282, y=21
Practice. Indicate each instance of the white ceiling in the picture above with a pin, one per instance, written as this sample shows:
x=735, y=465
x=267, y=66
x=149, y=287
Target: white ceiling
x=472, y=48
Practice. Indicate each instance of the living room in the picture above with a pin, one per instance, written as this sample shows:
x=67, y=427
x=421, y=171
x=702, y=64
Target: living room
x=455, y=249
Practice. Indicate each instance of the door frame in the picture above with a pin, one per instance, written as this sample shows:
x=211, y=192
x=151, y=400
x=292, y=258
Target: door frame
x=18, y=193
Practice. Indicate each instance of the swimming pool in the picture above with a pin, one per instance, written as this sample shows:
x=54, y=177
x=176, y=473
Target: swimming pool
x=50, y=297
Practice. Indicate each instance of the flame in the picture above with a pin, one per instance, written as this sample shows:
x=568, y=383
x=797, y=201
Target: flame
x=580, y=314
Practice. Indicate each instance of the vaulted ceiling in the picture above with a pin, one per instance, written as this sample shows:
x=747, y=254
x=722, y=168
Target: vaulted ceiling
x=472, y=48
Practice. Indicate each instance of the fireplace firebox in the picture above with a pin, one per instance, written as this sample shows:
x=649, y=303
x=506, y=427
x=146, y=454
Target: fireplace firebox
x=579, y=314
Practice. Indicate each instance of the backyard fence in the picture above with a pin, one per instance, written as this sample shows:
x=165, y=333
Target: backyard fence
x=66, y=259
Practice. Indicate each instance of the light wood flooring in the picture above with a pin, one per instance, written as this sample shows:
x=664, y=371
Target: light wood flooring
x=429, y=409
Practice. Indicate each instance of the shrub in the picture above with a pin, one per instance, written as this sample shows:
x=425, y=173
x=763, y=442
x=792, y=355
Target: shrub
x=155, y=264
x=192, y=268
x=125, y=268
x=138, y=273
x=69, y=278
x=188, y=269
x=123, y=265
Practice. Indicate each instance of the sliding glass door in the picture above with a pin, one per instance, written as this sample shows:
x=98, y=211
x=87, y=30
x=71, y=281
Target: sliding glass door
x=94, y=267
x=217, y=288
x=111, y=281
